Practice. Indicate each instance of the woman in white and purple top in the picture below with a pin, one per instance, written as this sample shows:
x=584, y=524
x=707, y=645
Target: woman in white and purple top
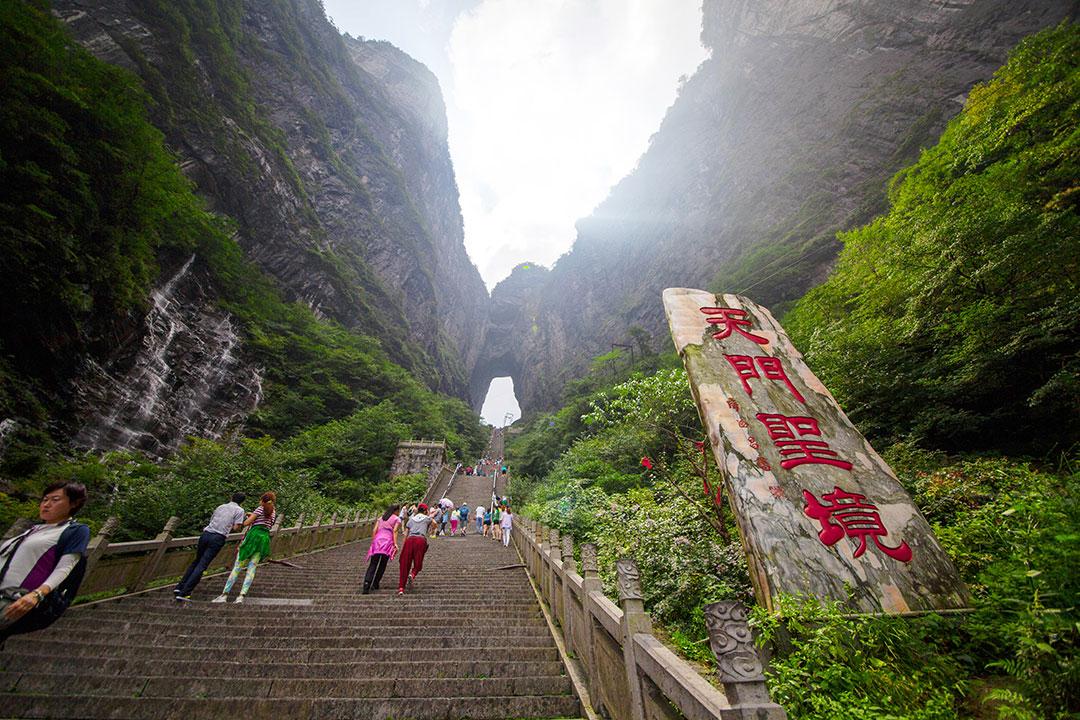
x=47, y=559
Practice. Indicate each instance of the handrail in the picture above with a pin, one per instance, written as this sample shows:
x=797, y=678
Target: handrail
x=647, y=678
x=135, y=565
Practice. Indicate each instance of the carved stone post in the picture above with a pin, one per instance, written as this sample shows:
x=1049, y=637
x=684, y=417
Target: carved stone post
x=328, y=535
x=339, y=534
x=541, y=554
x=590, y=583
x=150, y=564
x=293, y=536
x=313, y=531
x=97, y=545
x=275, y=531
x=554, y=563
x=358, y=526
x=635, y=620
x=567, y=592
x=738, y=664
x=530, y=532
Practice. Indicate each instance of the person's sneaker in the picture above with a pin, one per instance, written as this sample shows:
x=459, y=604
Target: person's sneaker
x=220, y=599
x=238, y=600
x=400, y=593
x=182, y=598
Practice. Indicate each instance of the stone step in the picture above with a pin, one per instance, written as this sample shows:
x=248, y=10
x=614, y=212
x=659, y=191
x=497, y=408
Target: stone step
x=229, y=612
x=167, y=648
x=230, y=687
x=247, y=642
x=213, y=666
x=426, y=708
x=449, y=648
x=134, y=629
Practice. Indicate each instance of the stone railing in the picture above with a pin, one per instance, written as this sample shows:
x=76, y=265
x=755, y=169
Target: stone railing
x=629, y=673
x=136, y=565
x=440, y=485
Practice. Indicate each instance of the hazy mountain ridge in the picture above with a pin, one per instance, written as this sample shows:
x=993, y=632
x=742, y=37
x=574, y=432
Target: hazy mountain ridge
x=786, y=135
x=341, y=189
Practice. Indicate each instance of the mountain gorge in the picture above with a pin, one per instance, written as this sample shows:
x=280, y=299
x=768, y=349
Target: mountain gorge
x=329, y=273
x=784, y=137
x=328, y=157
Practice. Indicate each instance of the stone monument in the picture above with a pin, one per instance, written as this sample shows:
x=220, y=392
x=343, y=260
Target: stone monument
x=819, y=512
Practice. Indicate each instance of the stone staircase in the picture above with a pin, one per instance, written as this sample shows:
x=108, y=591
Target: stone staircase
x=468, y=641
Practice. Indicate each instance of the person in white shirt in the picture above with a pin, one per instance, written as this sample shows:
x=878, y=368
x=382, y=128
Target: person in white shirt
x=227, y=518
x=479, y=519
x=507, y=524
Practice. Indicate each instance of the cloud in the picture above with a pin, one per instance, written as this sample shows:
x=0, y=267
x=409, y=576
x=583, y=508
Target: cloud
x=551, y=103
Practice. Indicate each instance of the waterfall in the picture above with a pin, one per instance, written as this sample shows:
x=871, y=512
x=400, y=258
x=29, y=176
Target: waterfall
x=186, y=378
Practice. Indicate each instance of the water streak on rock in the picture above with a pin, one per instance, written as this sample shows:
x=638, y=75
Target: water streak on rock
x=187, y=377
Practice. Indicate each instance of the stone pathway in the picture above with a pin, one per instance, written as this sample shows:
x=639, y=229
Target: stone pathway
x=468, y=641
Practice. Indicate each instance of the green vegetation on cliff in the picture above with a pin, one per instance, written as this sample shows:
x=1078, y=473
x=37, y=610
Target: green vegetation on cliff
x=955, y=317
x=93, y=203
x=949, y=325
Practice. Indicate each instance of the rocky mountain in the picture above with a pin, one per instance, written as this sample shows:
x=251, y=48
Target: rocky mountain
x=786, y=135
x=329, y=154
x=327, y=157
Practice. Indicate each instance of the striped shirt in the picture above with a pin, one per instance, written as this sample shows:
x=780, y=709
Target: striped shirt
x=261, y=519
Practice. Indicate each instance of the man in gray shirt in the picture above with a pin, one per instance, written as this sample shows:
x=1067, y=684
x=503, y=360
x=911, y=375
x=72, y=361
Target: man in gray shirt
x=226, y=518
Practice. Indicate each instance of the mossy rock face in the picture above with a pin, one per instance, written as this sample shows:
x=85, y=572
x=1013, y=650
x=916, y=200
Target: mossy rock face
x=134, y=299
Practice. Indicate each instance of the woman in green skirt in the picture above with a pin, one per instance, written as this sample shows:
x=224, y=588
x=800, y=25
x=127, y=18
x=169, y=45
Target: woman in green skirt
x=255, y=546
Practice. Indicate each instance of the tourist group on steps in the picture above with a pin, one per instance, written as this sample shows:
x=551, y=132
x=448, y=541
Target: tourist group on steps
x=41, y=568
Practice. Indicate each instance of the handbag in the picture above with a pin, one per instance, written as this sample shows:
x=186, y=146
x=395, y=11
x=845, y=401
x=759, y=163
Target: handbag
x=54, y=604
x=9, y=595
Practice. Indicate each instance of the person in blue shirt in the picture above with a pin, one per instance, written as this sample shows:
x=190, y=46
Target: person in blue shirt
x=464, y=514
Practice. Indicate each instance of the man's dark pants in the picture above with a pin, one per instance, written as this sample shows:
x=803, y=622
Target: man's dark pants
x=210, y=544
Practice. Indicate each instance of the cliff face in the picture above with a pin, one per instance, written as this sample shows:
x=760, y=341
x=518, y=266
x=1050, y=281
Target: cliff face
x=330, y=154
x=785, y=136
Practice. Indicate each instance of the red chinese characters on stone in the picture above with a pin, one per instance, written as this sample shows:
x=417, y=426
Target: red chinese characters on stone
x=771, y=369
x=783, y=430
x=849, y=515
x=728, y=320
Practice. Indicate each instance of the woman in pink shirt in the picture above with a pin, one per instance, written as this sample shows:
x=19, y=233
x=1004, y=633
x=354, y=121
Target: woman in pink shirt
x=384, y=545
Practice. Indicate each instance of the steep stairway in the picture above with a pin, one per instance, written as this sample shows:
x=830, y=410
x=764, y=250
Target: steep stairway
x=468, y=641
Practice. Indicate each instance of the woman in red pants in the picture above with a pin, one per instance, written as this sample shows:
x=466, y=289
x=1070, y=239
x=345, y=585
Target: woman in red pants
x=412, y=552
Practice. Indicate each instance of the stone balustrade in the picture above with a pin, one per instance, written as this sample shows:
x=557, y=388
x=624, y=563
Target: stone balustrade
x=136, y=565
x=629, y=673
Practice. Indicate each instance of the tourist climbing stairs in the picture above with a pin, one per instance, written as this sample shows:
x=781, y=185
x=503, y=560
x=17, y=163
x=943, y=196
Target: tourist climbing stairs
x=468, y=640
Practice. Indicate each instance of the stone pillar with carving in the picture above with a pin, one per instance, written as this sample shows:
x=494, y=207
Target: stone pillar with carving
x=739, y=666
x=590, y=583
x=635, y=620
x=99, y=543
x=328, y=536
x=150, y=564
x=293, y=536
x=541, y=560
x=313, y=533
x=568, y=592
x=554, y=565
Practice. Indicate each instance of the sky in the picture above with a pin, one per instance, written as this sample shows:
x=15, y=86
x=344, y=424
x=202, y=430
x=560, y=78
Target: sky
x=549, y=104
